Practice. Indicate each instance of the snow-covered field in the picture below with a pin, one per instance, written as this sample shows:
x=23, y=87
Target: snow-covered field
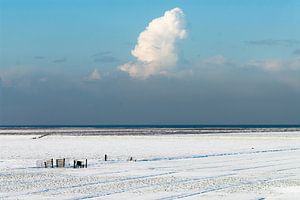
x=212, y=166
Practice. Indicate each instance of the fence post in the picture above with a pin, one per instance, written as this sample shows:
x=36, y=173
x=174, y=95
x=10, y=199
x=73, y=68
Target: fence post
x=105, y=157
x=85, y=163
x=52, y=162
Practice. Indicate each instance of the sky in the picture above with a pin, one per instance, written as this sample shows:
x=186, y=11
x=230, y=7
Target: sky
x=81, y=62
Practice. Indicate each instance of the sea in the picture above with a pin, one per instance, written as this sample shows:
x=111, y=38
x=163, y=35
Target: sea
x=140, y=129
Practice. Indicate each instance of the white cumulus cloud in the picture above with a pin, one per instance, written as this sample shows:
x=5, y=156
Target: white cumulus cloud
x=155, y=51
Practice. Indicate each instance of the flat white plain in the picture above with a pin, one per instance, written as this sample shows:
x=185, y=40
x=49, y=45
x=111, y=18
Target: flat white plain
x=212, y=166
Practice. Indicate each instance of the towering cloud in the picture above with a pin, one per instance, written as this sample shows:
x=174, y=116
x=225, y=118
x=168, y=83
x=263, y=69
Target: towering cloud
x=155, y=50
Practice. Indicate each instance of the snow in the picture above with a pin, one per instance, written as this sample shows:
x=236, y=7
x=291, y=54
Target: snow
x=260, y=165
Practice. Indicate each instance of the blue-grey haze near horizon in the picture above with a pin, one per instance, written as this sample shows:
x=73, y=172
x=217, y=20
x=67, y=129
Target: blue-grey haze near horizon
x=60, y=63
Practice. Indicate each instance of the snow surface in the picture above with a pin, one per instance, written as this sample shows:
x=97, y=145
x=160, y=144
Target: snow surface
x=211, y=166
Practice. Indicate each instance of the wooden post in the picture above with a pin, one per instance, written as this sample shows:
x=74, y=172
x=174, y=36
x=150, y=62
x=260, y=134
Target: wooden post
x=64, y=161
x=85, y=163
x=45, y=163
x=105, y=157
x=52, y=162
x=74, y=163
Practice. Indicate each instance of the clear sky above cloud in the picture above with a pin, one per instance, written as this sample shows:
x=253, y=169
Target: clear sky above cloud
x=149, y=62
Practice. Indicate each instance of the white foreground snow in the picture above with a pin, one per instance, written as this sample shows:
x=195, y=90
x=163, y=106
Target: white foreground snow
x=223, y=166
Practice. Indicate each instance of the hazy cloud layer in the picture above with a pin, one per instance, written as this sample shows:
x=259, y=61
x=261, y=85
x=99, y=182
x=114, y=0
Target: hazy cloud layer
x=155, y=51
x=276, y=64
x=270, y=64
x=273, y=42
x=232, y=97
x=206, y=96
x=285, y=71
x=21, y=76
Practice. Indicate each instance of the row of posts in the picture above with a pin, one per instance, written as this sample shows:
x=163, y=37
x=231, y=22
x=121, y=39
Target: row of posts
x=59, y=163
x=79, y=164
x=62, y=163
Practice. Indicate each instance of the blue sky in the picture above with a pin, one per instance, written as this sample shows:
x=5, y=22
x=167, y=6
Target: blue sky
x=60, y=62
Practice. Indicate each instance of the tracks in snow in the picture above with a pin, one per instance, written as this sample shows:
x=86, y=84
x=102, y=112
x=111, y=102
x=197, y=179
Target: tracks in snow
x=179, y=169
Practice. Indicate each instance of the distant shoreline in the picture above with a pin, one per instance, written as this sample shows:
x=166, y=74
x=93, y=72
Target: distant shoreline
x=116, y=130
x=193, y=126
